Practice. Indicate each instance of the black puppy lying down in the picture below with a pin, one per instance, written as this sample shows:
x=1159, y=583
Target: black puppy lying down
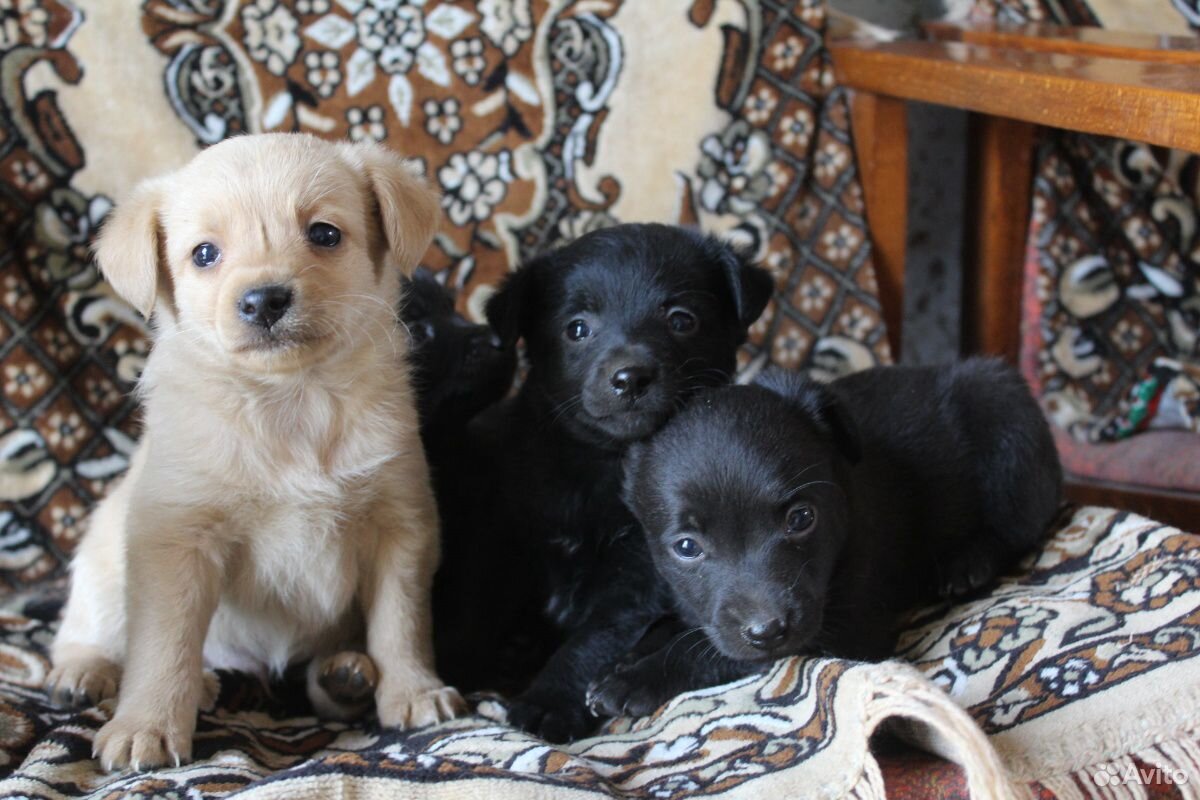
x=791, y=517
x=621, y=327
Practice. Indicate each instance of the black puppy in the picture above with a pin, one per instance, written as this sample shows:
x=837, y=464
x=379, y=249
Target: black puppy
x=621, y=327
x=792, y=517
x=459, y=368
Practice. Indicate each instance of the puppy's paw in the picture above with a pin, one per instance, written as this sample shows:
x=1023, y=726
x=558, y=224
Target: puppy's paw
x=348, y=677
x=967, y=573
x=415, y=710
x=128, y=741
x=554, y=720
x=86, y=681
x=626, y=692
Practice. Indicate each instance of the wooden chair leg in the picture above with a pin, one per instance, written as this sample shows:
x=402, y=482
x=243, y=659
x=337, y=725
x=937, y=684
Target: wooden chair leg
x=1002, y=182
x=880, y=127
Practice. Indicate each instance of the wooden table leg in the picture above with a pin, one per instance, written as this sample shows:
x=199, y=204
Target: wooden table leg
x=1002, y=186
x=880, y=126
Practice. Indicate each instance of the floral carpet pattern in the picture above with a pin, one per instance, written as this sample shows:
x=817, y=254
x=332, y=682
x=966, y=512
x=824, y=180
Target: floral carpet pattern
x=1058, y=667
x=1114, y=332
x=537, y=121
x=1117, y=286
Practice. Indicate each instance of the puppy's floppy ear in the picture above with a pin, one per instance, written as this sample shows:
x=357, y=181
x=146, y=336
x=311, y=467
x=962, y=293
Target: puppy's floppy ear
x=821, y=405
x=131, y=249
x=750, y=285
x=406, y=208
x=511, y=309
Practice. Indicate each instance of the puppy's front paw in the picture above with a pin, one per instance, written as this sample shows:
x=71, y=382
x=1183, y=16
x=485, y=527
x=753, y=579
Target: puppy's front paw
x=553, y=719
x=128, y=741
x=626, y=692
x=348, y=677
x=965, y=574
x=420, y=708
x=82, y=682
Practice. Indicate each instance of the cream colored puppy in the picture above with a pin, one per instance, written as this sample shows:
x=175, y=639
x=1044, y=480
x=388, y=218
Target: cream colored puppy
x=278, y=507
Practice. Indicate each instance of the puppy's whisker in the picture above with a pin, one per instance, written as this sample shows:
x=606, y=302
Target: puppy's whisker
x=802, y=472
x=360, y=326
x=804, y=486
x=799, y=576
x=370, y=298
x=360, y=322
x=303, y=270
x=692, y=649
x=679, y=638
x=709, y=654
x=566, y=407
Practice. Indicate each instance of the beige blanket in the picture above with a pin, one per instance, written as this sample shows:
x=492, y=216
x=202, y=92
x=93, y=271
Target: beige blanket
x=1076, y=678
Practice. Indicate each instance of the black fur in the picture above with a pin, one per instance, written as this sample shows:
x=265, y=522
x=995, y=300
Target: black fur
x=539, y=533
x=459, y=368
x=924, y=483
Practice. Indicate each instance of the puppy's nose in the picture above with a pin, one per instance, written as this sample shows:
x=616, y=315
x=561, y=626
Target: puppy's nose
x=764, y=634
x=265, y=305
x=483, y=340
x=632, y=381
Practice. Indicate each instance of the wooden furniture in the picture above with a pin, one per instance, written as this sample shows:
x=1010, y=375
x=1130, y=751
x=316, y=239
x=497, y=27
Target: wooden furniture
x=1013, y=78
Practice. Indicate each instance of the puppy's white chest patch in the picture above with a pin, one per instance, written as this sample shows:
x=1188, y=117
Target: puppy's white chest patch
x=289, y=590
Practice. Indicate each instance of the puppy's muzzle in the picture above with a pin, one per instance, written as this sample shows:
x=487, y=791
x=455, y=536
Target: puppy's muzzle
x=483, y=342
x=765, y=634
x=631, y=382
x=263, y=306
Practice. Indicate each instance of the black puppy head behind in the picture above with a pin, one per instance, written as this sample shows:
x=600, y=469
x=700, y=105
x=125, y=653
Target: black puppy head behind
x=743, y=497
x=459, y=367
x=625, y=323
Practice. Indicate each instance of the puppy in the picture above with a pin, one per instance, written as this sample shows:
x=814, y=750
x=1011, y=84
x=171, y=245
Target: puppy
x=621, y=327
x=278, y=506
x=792, y=517
x=459, y=368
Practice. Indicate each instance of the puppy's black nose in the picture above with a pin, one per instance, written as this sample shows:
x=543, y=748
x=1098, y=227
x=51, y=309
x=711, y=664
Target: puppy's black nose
x=483, y=340
x=632, y=381
x=764, y=634
x=265, y=305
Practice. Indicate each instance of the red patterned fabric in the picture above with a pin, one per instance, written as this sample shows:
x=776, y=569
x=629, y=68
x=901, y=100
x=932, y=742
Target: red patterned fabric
x=1160, y=459
x=912, y=775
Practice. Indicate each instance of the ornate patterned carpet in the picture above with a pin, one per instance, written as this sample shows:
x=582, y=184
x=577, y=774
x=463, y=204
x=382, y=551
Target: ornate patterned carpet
x=1077, y=674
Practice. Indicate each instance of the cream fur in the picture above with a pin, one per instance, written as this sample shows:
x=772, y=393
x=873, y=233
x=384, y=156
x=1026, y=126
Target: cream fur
x=278, y=506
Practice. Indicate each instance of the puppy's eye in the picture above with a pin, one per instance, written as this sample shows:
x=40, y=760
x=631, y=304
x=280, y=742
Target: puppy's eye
x=687, y=548
x=322, y=234
x=578, y=329
x=682, y=321
x=801, y=518
x=421, y=333
x=205, y=254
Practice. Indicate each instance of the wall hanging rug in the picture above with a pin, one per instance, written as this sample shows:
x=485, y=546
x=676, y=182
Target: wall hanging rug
x=1112, y=314
x=537, y=121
